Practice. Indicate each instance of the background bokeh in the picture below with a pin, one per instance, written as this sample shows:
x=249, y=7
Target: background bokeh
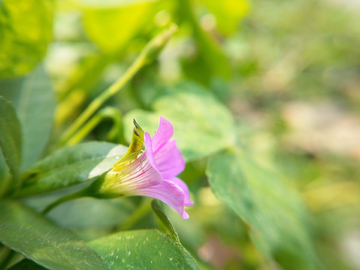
x=289, y=71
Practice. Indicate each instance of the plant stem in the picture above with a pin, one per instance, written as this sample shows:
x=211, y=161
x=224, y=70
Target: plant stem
x=139, y=213
x=76, y=195
x=108, y=112
x=148, y=54
x=7, y=260
x=96, y=104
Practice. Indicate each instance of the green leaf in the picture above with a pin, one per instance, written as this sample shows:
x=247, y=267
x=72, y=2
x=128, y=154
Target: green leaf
x=4, y=175
x=91, y=213
x=25, y=31
x=10, y=89
x=125, y=18
x=36, y=111
x=42, y=241
x=27, y=265
x=275, y=213
x=34, y=102
x=71, y=166
x=10, y=138
x=202, y=124
x=147, y=249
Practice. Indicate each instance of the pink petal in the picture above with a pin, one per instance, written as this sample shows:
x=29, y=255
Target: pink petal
x=134, y=175
x=181, y=184
x=169, y=193
x=149, y=150
x=163, y=134
x=169, y=160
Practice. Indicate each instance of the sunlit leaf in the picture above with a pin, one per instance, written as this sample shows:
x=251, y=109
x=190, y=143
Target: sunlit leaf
x=275, y=214
x=112, y=24
x=42, y=241
x=25, y=31
x=147, y=249
x=71, y=166
x=227, y=13
x=208, y=61
x=10, y=138
x=202, y=124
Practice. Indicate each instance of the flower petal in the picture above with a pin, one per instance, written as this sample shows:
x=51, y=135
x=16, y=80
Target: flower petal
x=149, y=150
x=136, y=174
x=169, y=193
x=163, y=134
x=169, y=160
x=181, y=184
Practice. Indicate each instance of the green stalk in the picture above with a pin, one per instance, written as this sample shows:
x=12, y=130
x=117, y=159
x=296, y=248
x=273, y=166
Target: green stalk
x=107, y=112
x=147, y=55
x=141, y=211
x=73, y=196
x=8, y=259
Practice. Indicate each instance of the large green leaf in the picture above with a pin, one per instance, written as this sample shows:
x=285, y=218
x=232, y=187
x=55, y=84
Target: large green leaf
x=275, y=213
x=71, y=166
x=25, y=31
x=147, y=249
x=42, y=241
x=112, y=24
x=10, y=138
x=202, y=124
x=34, y=102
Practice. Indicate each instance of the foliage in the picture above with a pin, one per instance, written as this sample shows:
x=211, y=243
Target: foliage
x=263, y=97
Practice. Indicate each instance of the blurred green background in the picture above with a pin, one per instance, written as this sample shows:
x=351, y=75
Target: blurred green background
x=289, y=71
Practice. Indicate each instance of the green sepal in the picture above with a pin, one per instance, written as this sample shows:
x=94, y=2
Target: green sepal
x=136, y=145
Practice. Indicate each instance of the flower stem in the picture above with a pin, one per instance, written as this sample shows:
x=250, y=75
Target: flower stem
x=73, y=196
x=148, y=54
x=108, y=112
x=7, y=259
x=138, y=214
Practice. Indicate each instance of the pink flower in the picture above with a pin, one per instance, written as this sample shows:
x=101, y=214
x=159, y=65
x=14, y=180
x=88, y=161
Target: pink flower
x=152, y=172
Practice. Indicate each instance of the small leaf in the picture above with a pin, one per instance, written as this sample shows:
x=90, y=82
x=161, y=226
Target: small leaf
x=275, y=213
x=71, y=166
x=165, y=220
x=202, y=124
x=47, y=244
x=25, y=31
x=10, y=138
x=26, y=264
x=147, y=249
